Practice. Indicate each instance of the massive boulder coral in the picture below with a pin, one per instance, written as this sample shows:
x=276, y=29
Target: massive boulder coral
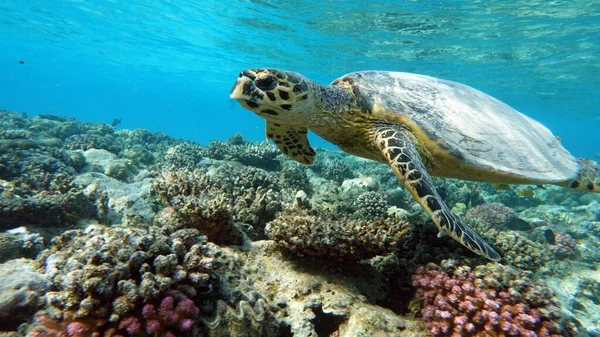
x=22, y=292
x=490, y=300
x=312, y=297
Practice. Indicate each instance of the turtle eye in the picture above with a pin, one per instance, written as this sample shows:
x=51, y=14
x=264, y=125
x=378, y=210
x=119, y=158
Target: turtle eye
x=267, y=82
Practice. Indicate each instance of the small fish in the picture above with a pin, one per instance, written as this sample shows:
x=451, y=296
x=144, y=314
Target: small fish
x=501, y=187
x=21, y=62
x=519, y=224
x=116, y=122
x=559, y=138
x=526, y=192
x=550, y=237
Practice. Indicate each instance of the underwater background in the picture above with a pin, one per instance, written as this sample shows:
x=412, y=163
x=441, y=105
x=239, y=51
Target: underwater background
x=138, y=199
x=168, y=65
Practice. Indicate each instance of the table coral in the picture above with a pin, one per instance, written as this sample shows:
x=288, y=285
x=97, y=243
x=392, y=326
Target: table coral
x=488, y=301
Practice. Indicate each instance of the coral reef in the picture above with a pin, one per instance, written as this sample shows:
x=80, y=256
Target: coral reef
x=487, y=301
x=371, y=205
x=169, y=319
x=22, y=292
x=262, y=155
x=36, y=188
x=116, y=275
x=496, y=215
x=85, y=142
x=520, y=251
x=565, y=246
x=348, y=239
x=183, y=246
x=321, y=298
x=335, y=170
x=20, y=243
x=251, y=196
x=182, y=156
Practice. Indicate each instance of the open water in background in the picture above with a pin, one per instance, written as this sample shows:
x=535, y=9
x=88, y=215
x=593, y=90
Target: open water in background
x=169, y=65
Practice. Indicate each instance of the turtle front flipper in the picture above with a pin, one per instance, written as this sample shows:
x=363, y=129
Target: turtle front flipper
x=292, y=140
x=402, y=155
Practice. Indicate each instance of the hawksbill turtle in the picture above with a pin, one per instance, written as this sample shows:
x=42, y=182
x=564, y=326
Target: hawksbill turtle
x=420, y=126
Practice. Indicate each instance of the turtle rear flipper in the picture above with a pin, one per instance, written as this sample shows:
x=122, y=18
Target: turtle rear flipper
x=402, y=155
x=588, y=179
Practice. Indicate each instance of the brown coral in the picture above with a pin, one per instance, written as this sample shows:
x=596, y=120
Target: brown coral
x=345, y=238
x=250, y=197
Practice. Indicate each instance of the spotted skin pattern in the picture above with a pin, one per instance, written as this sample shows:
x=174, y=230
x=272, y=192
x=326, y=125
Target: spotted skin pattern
x=292, y=140
x=380, y=116
x=589, y=176
x=403, y=157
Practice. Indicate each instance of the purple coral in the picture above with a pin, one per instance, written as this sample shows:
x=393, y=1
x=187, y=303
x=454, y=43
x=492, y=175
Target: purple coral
x=454, y=305
x=171, y=319
x=565, y=246
x=493, y=214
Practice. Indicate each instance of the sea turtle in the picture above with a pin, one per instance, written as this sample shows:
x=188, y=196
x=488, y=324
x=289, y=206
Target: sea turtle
x=419, y=125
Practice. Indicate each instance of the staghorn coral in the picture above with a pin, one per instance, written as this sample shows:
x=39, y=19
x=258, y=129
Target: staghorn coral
x=488, y=301
x=340, y=239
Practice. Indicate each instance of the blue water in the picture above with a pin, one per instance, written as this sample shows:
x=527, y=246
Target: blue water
x=169, y=65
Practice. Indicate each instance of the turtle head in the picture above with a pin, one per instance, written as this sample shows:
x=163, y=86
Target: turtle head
x=279, y=96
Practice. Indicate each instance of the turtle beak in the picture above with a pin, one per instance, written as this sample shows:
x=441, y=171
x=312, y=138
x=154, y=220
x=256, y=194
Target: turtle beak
x=242, y=88
x=247, y=94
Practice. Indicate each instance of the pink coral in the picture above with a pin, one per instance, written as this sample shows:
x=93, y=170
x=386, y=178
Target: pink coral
x=454, y=305
x=171, y=319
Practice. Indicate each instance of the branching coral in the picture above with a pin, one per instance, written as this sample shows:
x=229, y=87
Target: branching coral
x=203, y=197
x=487, y=301
x=261, y=155
x=342, y=238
